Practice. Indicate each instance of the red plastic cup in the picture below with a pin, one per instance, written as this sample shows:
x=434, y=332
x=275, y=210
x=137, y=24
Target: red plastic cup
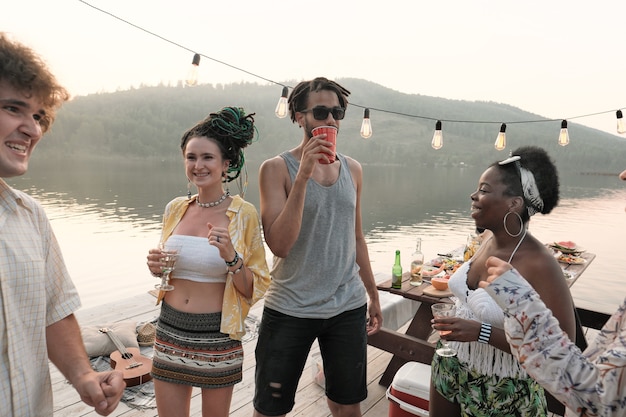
x=331, y=136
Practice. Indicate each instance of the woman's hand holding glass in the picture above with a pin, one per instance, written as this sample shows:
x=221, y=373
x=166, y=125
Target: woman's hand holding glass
x=163, y=260
x=443, y=310
x=169, y=256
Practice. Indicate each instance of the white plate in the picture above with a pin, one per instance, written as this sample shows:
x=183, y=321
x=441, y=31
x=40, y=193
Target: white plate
x=571, y=260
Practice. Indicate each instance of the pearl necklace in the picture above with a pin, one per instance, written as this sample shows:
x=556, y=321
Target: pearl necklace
x=213, y=203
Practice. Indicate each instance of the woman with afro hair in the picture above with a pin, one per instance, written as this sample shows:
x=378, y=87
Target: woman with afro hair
x=484, y=378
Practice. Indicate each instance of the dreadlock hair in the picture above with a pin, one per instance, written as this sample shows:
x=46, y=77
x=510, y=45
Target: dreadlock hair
x=232, y=130
x=25, y=71
x=298, y=98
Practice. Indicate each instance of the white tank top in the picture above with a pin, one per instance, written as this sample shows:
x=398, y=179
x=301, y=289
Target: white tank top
x=198, y=260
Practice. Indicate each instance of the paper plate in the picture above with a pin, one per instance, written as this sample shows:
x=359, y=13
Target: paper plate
x=571, y=260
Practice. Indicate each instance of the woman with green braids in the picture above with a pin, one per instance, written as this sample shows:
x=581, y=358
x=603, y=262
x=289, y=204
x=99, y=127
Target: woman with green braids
x=221, y=271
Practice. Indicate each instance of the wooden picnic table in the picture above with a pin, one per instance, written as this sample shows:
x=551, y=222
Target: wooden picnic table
x=576, y=270
x=413, y=345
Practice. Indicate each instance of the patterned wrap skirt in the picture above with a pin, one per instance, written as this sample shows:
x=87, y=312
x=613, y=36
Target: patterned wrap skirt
x=481, y=395
x=189, y=349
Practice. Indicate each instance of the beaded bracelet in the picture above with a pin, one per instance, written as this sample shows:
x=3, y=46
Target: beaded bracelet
x=238, y=270
x=234, y=261
x=485, y=333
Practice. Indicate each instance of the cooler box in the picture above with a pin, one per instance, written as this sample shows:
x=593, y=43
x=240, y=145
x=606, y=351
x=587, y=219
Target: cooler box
x=409, y=392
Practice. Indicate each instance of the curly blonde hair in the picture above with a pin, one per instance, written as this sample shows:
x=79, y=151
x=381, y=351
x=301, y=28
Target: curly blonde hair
x=25, y=71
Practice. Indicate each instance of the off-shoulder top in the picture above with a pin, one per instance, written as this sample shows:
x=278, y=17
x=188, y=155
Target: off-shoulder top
x=479, y=306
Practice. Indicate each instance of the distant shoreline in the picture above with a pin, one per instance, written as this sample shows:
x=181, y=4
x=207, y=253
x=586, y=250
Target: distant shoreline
x=606, y=174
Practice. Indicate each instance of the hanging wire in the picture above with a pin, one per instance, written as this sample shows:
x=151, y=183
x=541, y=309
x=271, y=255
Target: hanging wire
x=177, y=44
x=353, y=104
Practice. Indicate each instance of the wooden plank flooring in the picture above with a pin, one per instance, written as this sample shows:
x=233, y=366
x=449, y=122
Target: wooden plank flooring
x=310, y=398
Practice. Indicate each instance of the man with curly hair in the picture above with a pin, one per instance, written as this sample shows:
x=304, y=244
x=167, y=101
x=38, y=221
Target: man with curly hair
x=37, y=296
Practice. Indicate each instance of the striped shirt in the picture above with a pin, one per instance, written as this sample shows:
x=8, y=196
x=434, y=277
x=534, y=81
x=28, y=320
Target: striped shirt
x=35, y=291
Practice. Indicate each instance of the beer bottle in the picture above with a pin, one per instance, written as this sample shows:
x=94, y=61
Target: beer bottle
x=396, y=273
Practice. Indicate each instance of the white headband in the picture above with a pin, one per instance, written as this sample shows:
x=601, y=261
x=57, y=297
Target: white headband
x=534, y=202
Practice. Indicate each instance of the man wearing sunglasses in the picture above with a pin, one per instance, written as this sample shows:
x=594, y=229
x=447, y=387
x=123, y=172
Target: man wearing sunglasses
x=321, y=275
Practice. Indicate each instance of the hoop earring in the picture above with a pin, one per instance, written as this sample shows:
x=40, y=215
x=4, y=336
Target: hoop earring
x=521, y=228
x=188, y=189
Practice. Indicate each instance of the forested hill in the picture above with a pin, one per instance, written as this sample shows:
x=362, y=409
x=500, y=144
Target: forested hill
x=148, y=122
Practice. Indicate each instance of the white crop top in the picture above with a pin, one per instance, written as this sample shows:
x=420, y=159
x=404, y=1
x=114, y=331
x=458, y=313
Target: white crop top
x=198, y=260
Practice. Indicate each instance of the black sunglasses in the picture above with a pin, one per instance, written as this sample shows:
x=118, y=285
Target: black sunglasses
x=321, y=112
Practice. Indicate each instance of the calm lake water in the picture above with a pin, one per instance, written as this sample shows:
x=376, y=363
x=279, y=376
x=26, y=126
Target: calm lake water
x=107, y=215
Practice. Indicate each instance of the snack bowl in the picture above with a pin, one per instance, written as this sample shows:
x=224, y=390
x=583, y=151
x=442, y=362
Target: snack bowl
x=439, y=283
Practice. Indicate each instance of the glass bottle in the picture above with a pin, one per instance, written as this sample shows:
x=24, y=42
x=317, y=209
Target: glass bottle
x=473, y=243
x=396, y=273
x=417, y=261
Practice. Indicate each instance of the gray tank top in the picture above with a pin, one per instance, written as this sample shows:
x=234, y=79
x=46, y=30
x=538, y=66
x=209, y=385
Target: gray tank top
x=320, y=277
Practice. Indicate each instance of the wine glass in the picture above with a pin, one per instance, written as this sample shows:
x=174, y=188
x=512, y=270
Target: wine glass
x=170, y=256
x=444, y=310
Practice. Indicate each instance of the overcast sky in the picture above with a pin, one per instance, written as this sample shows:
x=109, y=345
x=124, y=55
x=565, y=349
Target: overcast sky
x=558, y=59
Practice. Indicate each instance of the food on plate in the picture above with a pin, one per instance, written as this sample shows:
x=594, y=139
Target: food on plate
x=430, y=271
x=448, y=263
x=454, y=267
x=571, y=259
x=566, y=244
x=440, y=283
x=437, y=262
x=567, y=247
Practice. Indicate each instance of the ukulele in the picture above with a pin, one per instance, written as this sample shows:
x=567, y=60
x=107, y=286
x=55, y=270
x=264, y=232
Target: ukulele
x=135, y=367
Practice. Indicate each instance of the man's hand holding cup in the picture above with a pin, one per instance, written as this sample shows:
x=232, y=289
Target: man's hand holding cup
x=331, y=136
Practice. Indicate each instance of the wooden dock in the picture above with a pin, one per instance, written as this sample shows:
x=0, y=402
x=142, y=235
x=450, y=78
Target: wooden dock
x=310, y=398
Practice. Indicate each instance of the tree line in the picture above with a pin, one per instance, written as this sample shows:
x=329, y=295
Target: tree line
x=147, y=123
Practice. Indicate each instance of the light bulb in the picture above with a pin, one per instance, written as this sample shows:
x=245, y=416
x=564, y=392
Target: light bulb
x=366, y=126
x=437, y=142
x=281, y=107
x=564, y=136
x=621, y=128
x=192, y=74
x=501, y=139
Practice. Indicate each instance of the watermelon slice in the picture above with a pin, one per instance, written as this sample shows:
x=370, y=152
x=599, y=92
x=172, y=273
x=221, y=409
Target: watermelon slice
x=567, y=244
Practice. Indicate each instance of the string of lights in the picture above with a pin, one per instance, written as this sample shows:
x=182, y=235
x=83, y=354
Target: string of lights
x=281, y=110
